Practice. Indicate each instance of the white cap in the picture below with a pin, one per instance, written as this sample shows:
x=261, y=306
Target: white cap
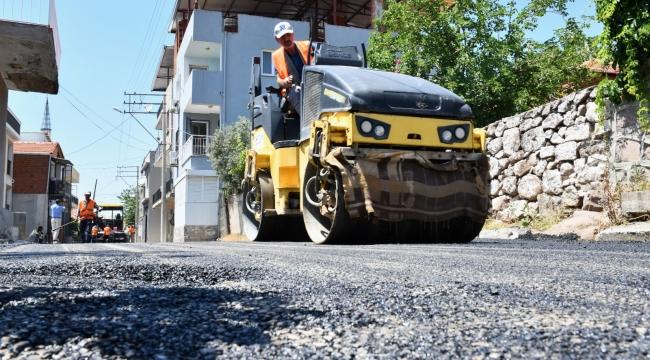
x=282, y=28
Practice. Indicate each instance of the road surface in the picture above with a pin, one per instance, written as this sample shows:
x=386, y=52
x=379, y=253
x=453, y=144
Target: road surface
x=489, y=298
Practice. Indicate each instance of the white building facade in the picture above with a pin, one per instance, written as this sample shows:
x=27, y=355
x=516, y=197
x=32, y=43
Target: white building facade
x=206, y=88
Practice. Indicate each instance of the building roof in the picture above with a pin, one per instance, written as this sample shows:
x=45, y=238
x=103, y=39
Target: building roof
x=599, y=66
x=355, y=13
x=44, y=148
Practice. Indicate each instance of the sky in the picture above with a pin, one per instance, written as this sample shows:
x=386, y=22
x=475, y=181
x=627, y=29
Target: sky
x=112, y=47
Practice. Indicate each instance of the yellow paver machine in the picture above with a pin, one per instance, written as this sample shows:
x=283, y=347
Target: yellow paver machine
x=373, y=156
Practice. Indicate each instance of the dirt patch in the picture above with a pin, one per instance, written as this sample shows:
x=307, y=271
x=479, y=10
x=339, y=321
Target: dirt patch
x=586, y=224
x=234, y=238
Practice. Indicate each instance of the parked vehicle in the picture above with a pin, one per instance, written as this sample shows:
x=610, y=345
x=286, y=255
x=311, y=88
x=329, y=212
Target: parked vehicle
x=112, y=215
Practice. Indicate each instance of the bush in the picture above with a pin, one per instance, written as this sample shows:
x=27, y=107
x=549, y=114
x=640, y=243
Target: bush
x=228, y=154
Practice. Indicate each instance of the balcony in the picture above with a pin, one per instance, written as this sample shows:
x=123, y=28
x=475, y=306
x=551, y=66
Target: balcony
x=59, y=188
x=158, y=156
x=156, y=199
x=204, y=96
x=195, y=151
x=144, y=195
x=13, y=123
x=29, y=39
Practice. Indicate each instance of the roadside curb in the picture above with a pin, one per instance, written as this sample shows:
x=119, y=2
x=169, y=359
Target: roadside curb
x=629, y=232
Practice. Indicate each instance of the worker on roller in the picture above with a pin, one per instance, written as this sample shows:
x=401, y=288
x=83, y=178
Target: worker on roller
x=86, y=215
x=289, y=60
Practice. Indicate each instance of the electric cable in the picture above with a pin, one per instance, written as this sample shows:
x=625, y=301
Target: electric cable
x=91, y=110
x=144, y=41
x=144, y=63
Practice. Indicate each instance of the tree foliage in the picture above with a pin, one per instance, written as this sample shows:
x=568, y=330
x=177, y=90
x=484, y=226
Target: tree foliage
x=480, y=50
x=228, y=154
x=625, y=43
x=127, y=197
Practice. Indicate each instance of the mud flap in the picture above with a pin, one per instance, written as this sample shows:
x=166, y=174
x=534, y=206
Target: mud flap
x=406, y=186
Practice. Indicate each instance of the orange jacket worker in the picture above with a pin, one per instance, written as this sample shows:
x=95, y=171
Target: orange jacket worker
x=107, y=233
x=289, y=61
x=86, y=215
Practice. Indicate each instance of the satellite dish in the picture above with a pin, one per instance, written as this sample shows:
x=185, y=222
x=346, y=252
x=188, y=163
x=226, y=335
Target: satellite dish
x=148, y=107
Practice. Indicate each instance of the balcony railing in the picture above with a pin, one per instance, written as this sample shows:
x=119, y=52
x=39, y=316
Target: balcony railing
x=196, y=145
x=156, y=196
x=13, y=123
x=169, y=186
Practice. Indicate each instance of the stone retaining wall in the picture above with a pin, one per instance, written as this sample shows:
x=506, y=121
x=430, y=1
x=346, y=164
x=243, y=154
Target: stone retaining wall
x=551, y=156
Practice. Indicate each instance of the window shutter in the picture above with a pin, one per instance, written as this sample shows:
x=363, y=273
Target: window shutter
x=194, y=189
x=210, y=189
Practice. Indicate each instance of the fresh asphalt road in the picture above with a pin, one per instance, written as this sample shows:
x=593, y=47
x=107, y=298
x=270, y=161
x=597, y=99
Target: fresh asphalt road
x=489, y=298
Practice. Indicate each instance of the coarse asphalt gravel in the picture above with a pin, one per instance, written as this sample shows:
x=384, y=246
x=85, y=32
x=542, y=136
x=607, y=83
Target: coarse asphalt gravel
x=528, y=298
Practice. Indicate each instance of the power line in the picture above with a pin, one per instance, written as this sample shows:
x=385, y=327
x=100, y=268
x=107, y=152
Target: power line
x=91, y=110
x=110, y=162
x=104, y=135
x=144, y=41
x=151, y=62
x=148, y=48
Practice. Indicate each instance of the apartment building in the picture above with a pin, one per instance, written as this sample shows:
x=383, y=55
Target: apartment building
x=29, y=61
x=206, y=77
x=148, y=224
x=42, y=175
x=13, y=135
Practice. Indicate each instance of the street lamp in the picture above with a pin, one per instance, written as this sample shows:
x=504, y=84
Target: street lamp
x=136, y=119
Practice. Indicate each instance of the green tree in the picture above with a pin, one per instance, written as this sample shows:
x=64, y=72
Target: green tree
x=480, y=50
x=228, y=154
x=127, y=197
x=625, y=43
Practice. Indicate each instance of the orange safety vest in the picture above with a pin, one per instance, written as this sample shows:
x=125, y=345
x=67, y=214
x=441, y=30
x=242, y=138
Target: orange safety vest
x=95, y=231
x=107, y=231
x=280, y=60
x=131, y=230
x=86, y=211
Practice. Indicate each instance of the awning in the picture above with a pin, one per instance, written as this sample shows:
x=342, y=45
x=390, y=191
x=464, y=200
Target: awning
x=61, y=161
x=165, y=71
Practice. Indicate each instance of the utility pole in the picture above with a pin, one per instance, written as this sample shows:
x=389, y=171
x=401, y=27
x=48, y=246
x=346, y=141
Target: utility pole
x=163, y=204
x=120, y=172
x=139, y=104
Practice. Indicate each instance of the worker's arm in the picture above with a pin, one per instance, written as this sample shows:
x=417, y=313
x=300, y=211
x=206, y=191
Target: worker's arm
x=286, y=82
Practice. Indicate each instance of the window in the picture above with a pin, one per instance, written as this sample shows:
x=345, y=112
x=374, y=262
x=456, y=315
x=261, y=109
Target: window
x=199, y=127
x=267, y=63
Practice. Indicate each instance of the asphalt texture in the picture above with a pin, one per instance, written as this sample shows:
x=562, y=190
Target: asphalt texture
x=530, y=298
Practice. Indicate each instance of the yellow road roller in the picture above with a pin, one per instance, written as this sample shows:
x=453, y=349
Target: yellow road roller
x=369, y=156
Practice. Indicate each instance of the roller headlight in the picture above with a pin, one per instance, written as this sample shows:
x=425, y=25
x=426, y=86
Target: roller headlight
x=460, y=133
x=446, y=135
x=373, y=128
x=454, y=133
x=366, y=126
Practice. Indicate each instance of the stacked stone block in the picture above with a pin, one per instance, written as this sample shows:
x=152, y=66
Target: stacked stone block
x=551, y=156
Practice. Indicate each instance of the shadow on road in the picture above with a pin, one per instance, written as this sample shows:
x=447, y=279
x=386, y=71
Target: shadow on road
x=176, y=322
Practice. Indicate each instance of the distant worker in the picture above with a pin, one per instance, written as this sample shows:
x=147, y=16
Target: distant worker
x=289, y=61
x=56, y=213
x=95, y=233
x=131, y=232
x=86, y=215
x=107, y=233
x=36, y=236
